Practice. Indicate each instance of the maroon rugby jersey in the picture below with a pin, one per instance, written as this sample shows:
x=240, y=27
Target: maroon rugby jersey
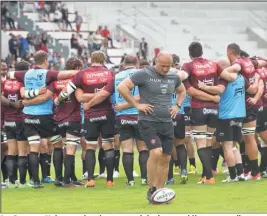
x=248, y=71
x=206, y=71
x=263, y=74
x=92, y=80
x=69, y=109
x=12, y=93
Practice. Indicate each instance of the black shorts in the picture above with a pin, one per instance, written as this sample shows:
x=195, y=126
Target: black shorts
x=157, y=135
x=262, y=120
x=44, y=126
x=103, y=125
x=229, y=130
x=187, y=116
x=72, y=128
x=15, y=130
x=204, y=116
x=179, y=127
x=251, y=114
x=128, y=129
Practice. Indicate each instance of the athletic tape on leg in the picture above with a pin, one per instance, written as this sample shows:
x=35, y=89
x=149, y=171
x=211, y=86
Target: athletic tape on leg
x=55, y=139
x=34, y=139
x=209, y=135
x=248, y=131
x=72, y=141
x=199, y=134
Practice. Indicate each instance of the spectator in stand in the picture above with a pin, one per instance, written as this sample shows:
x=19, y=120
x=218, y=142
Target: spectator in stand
x=99, y=30
x=44, y=38
x=31, y=44
x=90, y=42
x=65, y=18
x=5, y=17
x=97, y=41
x=40, y=8
x=82, y=43
x=23, y=46
x=143, y=48
x=75, y=45
x=106, y=34
x=78, y=21
x=13, y=46
x=58, y=17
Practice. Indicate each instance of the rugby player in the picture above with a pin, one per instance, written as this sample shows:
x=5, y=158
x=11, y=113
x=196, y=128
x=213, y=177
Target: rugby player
x=38, y=121
x=203, y=113
x=126, y=123
x=247, y=68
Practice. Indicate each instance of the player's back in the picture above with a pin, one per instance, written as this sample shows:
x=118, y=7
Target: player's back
x=94, y=79
x=118, y=98
x=232, y=103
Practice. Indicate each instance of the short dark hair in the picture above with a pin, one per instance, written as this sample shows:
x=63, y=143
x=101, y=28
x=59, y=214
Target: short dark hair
x=22, y=65
x=143, y=63
x=74, y=63
x=244, y=54
x=40, y=57
x=175, y=59
x=130, y=60
x=234, y=48
x=195, y=49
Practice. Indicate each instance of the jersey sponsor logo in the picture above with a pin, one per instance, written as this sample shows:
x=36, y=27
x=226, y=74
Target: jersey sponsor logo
x=32, y=121
x=239, y=91
x=65, y=124
x=164, y=88
x=129, y=122
x=12, y=85
x=237, y=124
x=60, y=85
x=98, y=77
x=187, y=118
x=100, y=118
x=153, y=141
x=204, y=69
x=13, y=97
x=209, y=82
x=10, y=124
x=207, y=111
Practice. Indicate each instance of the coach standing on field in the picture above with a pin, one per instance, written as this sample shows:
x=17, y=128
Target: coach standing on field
x=156, y=86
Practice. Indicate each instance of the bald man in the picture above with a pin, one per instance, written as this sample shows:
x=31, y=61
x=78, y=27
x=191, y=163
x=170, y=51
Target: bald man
x=156, y=86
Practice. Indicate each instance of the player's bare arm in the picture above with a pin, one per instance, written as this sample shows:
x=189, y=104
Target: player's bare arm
x=120, y=107
x=219, y=89
x=230, y=73
x=98, y=98
x=39, y=99
x=28, y=94
x=83, y=97
x=253, y=88
x=201, y=95
x=254, y=100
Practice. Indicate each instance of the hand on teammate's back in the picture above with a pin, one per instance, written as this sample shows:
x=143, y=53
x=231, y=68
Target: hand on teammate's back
x=173, y=111
x=146, y=108
x=216, y=99
x=42, y=90
x=252, y=101
x=18, y=104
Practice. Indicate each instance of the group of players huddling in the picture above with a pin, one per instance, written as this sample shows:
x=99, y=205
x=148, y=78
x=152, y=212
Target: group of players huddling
x=46, y=111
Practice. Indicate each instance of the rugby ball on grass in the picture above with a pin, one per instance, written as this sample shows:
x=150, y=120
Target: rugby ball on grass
x=162, y=196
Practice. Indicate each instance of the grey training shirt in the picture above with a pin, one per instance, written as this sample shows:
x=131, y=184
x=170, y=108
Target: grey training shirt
x=157, y=90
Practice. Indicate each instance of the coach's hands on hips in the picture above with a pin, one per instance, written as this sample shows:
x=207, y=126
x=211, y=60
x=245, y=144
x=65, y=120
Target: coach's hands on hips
x=174, y=110
x=216, y=98
x=146, y=108
x=252, y=101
